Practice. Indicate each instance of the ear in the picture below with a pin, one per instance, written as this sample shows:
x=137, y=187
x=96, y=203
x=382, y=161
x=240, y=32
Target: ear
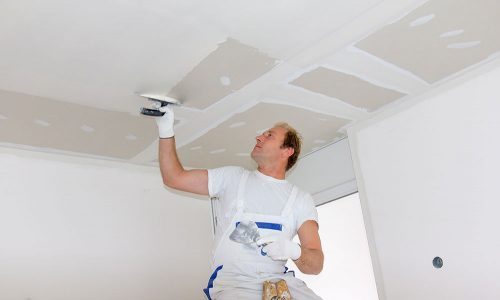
x=287, y=152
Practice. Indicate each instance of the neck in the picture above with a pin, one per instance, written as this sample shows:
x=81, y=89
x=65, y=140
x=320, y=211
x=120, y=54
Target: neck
x=278, y=173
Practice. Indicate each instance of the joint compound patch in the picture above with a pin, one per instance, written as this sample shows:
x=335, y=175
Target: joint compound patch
x=227, y=69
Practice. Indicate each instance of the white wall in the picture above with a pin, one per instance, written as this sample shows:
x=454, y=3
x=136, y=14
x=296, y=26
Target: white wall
x=347, y=272
x=428, y=179
x=327, y=174
x=75, y=228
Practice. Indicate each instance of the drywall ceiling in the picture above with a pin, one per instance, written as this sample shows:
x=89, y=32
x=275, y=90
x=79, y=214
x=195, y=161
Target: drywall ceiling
x=71, y=72
x=206, y=151
x=439, y=38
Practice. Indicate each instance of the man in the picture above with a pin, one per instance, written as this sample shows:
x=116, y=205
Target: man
x=263, y=196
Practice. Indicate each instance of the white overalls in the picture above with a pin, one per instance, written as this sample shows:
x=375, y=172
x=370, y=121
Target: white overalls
x=240, y=270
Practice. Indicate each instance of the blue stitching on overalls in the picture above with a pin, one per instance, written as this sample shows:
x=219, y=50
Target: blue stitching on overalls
x=211, y=282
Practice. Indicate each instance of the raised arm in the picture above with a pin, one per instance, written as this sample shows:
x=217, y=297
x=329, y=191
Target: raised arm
x=172, y=171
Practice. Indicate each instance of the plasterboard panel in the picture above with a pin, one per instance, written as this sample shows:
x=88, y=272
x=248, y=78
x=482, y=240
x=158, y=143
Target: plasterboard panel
x=229, y=68
x=439, y=38
x=348, y=88
x=46, y=123
x=231, y=142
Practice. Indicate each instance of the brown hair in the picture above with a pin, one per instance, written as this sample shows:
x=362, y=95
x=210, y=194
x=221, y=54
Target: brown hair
x=292, y=140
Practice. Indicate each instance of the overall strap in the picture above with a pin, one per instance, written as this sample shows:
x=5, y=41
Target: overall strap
x=241, y=191
x=291, y=200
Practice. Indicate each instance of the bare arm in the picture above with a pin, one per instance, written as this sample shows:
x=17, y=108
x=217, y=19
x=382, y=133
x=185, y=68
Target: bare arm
x=311, y=258
x=174, y=175
x=172, y=172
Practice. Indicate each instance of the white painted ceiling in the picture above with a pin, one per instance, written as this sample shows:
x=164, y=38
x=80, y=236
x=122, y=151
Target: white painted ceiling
x=70, y=72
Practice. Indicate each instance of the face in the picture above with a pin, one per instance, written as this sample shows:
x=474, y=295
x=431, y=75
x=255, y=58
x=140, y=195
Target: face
x=268, y=145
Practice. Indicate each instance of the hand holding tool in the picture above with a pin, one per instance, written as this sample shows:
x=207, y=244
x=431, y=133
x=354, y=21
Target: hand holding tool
x=279, y=247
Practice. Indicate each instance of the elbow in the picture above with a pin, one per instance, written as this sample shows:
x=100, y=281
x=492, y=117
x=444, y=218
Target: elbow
x=312, y=268
x=169, y=182
x=318, y=270
x=312, y=271
x=311, y=261
x=318, y=266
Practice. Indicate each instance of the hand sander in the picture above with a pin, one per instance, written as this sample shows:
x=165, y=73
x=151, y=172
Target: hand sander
x=158, y=102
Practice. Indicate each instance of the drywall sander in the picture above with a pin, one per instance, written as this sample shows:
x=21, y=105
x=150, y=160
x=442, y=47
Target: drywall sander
x=275, y=290
x=158, y=102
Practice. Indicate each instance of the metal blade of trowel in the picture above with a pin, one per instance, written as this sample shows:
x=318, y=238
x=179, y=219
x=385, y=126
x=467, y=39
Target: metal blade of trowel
x=246, y=232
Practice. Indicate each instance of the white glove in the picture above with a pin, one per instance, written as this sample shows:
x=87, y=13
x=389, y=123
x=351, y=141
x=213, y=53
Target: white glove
x=279, y=247
x=166, y=122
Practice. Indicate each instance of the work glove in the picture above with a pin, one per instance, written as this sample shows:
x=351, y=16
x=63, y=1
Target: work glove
x=279, y=247
x=165, y=123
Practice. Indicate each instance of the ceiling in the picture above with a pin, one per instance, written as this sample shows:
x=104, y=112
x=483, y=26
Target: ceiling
x=71, y=72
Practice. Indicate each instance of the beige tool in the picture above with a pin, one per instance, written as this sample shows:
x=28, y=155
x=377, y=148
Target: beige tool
x=276, y=290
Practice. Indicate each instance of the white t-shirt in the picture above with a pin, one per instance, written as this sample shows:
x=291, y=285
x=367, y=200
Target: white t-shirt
x=263, y=195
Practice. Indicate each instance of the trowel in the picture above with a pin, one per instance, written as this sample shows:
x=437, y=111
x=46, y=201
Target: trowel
x=247, y=233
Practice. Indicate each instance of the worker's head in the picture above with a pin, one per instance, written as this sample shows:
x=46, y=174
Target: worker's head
x=278, y=145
